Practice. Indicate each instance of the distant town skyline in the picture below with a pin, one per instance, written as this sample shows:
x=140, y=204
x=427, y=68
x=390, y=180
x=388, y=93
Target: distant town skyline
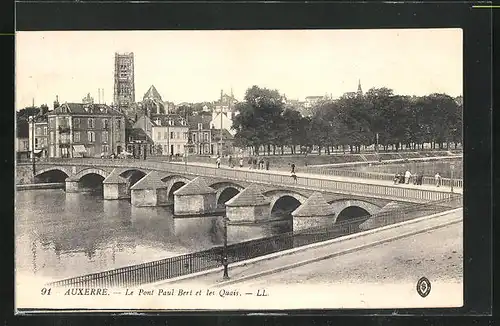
x=193, y=66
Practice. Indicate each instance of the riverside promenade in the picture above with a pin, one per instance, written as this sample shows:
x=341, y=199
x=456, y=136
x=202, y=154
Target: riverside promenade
x=323, y=258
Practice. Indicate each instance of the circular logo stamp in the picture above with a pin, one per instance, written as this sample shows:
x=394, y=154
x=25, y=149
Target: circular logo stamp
x=423, y=287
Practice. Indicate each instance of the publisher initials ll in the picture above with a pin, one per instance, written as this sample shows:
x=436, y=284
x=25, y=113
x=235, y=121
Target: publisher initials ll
x=261, y=293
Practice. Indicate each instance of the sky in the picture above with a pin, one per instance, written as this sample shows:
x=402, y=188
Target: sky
x=193, y=66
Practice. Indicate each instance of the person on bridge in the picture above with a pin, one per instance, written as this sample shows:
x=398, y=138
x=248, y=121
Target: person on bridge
x=267, y=164
x=420, y=178
x=397, y=178
x=407, y=176
x=218, y=161
x=230, y=161
x=293, y=168
x=250, y=160
x=294, y=177
x=437, y=178
x=241, y=162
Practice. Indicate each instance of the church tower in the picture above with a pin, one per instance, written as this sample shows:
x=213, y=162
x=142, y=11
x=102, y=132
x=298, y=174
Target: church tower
x=360, y=91
x=124, y=88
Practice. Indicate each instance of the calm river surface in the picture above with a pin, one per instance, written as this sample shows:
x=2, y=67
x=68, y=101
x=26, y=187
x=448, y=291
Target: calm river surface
x=61, y=235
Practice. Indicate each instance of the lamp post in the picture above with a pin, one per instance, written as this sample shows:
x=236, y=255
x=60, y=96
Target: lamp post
x=376, y=146
x=32, y=121
x=225, y=276
x=452, y=168
x=220, y=140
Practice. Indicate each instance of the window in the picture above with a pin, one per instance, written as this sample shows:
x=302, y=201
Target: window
x=104, y=137
x=25, y=145
x=52, y=123
x=90, y=136
x=185, y=135
x=159, y=135
x=63, y=122
x=205, y=136
x=45, y=130
x=105, y=124
x=194, y=137
x=105, y=148
x=76, y=122
x=91, y=123
x=76, y=136
x=52, y=137
x=38, y=131
x=171, y=135
x=165, y=135
x=36, y=142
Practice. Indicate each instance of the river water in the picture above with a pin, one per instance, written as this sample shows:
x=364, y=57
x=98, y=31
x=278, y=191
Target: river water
x=60, y=235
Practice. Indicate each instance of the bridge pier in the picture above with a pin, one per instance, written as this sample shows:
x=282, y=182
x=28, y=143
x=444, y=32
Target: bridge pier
x=195, y=198
x=73, y=185
x=149, y=191
x=115, y=187
x=315, y=212
x=250, y=205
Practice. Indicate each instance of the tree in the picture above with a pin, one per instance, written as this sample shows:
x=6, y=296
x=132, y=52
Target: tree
x=259, y=118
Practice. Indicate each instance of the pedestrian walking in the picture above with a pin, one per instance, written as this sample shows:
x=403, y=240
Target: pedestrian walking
x=261, y=164
x=267, y=164
x=420, y=178
x=437, y=178
x=293, y=168
x=407, y=176
x=218, y=161
x=230, y=161
x=241, y=162
x=250, y=160
x=415, y=178
x=397, y=178
x=294, y=177
x=254, y=163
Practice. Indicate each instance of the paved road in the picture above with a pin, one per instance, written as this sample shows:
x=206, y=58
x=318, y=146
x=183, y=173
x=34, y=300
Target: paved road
x=425, y=252
x=337, y=178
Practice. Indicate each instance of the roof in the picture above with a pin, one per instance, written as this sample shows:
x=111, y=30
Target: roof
x=165, y=118
x=137, y=134
x=226, y=135
x=114, y=177
x=152, y=180
x=152, y=93
x=85, y=109
x=197, y=186
x=203, y=119
x=315, y=205
x=250, y=196
x=314, y=97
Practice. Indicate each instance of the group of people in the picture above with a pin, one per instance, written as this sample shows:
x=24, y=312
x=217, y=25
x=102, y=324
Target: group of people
x=254, y=163
x=416, y=178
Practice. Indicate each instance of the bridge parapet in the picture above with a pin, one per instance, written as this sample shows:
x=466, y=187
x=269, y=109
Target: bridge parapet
x=266, y=178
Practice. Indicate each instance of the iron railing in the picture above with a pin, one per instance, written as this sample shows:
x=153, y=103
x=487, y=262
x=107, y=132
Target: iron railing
x=445, y=182
x=261, y=176
x=207, y=259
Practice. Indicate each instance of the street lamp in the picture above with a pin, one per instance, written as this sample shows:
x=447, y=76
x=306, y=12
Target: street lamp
x=32, y=121
x=225, y=276
x=452, y=168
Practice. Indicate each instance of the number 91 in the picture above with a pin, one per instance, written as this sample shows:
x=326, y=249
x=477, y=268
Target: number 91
x=45, y=291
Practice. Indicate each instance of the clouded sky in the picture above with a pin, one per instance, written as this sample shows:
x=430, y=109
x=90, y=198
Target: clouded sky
x=193, y=66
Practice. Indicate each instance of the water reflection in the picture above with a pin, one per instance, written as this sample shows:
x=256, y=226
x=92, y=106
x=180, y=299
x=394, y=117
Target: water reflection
x=62, y=234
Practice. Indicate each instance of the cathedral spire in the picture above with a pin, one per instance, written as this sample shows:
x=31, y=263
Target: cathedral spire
x=360, y=91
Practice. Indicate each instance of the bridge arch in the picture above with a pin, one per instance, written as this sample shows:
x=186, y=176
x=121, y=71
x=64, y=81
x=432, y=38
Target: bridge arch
x=226, y=191
x=132, y=176
x=85, y=172
x=174, y=182
x=346, y=209
x=284, y=202
x=52, y=174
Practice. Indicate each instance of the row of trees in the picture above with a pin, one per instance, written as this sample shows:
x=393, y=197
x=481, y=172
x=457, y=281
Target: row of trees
x=377, y=117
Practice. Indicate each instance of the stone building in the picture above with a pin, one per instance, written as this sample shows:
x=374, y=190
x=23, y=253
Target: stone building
x=77, y=129
x=224, y=112
x=170, y=132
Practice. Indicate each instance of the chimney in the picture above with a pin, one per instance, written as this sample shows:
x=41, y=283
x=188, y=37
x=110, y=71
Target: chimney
x=56, y=102
x=98, y=96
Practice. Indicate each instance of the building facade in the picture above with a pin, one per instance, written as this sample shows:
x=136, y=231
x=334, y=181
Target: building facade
x=170, y=132
x=200, y=133
x=224, y=112
x=124, y=85
x=88, y=130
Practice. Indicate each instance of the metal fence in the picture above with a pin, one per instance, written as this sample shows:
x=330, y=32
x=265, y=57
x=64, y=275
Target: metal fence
x=203, y=260
x=259, y=176
x=445, y=182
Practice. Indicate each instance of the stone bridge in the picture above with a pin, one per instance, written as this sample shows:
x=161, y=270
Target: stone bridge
x=248, y=196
